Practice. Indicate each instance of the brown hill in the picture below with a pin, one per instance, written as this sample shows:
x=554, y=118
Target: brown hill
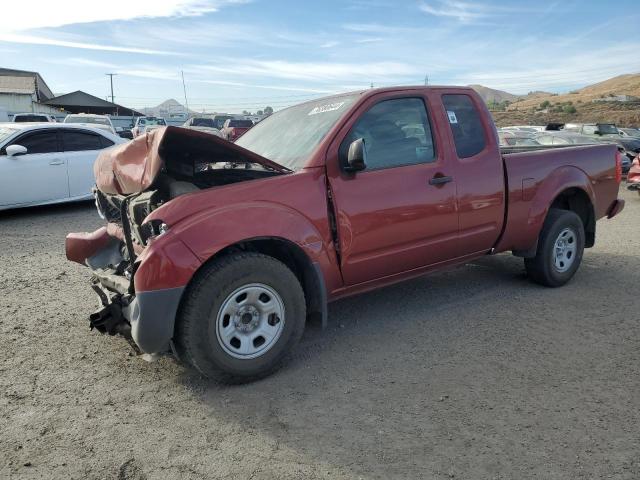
x=490, y=95
x=594, y=103
x=621, y=85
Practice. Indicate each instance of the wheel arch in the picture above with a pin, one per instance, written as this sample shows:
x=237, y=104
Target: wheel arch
x=292, y=255
x=575, y=199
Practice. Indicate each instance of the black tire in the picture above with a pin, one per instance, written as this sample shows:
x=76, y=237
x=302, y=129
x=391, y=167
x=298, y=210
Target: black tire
x=196, y=335
x=542, y=268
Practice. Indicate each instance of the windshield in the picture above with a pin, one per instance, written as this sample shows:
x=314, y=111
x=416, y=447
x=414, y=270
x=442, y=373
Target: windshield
x=289, y=136
x=241, y=123
x=30, y=118
x=607, y=129
x=81, y=119
x=152, y=121
x=6, y=132
x=219, y=120
x=203, y=122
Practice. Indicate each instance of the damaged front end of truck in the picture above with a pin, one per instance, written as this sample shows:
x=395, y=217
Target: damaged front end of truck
x=139, y=269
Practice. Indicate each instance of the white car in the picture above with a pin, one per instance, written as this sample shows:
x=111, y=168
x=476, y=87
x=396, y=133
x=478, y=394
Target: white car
x=97, y=121
x=43, y=163
x=144, y=124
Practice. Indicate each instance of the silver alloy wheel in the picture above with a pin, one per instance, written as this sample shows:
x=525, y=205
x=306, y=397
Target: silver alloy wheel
x=565, y=250
x=250, y=321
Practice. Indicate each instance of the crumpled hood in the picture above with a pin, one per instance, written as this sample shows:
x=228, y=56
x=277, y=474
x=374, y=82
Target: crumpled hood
x=133, y=166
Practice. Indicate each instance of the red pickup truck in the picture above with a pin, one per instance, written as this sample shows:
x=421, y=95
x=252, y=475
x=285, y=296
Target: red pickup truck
x=235, y=128
x=219, y=252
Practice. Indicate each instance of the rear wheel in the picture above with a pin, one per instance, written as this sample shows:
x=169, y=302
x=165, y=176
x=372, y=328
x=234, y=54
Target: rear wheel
x=560, y=249
x=242, y=316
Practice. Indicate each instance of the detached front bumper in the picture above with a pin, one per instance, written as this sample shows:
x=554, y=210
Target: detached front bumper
x=142, y=307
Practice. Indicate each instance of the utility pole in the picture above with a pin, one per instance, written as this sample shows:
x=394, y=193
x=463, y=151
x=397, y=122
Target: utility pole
x=184, y=88
x=110, y=75
x=426, y=80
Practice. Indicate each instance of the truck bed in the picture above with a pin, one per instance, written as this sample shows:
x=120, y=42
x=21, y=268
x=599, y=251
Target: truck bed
x=535, y=174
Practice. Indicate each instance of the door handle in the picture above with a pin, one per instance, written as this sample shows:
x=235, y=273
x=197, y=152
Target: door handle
x=56, y=162
x=440, y=180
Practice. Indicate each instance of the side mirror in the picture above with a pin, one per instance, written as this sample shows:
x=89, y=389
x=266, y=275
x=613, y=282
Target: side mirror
x=357, y=156
x=15, y=150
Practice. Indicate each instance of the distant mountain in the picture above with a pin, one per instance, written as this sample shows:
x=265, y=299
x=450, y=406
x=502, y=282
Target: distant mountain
x=620, y=85
x=167, y=109
x=490, y=95
x=614, y=100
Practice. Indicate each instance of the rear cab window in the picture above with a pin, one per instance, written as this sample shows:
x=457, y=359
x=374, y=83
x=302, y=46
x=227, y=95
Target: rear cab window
x=466, y=125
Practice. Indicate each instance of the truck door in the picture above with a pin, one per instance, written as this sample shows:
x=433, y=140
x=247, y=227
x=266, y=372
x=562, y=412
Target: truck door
x=400, y=212
x=479, y=173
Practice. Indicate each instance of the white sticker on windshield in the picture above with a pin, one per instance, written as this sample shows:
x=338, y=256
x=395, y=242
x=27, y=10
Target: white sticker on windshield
x=330, y=107
x=452, y=116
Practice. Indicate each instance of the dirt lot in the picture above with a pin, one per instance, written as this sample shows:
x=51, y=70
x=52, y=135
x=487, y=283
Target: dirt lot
x=472, y=373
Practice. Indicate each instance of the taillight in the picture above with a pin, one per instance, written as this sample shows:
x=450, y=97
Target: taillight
x=618, y=167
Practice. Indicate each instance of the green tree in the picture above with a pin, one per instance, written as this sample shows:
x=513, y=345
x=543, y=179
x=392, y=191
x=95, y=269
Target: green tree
x=268, y=111
x=569, y=109
x=545, y=104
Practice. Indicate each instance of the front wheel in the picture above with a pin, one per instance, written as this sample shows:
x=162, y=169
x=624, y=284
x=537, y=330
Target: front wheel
x=560, y=249
x=241, y=317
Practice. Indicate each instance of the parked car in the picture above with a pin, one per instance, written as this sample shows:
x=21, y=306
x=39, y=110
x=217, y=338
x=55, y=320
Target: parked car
x=633, y=177
x=145, y=124
x=219, y=251
x=208, y=122
x=218, y=120
x=34, y=117
x=48, y=163
x=630, y=132
x=516, y=138
x=234, y=128
x=98, y=121
x=524, y=128
x=567, y=137
x=630, y=148
x=594, y=129
x=125, y=132
x=211, y=131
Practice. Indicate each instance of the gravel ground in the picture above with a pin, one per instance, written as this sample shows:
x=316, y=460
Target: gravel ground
x=472, y=373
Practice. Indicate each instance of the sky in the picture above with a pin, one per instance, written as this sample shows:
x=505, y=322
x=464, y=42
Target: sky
x=246, y=54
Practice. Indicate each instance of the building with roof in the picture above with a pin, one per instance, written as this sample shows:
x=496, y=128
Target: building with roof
x=82, y=102
x=22, y=91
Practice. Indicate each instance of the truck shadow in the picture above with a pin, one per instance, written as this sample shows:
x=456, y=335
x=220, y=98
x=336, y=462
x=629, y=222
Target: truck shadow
x=434, y=376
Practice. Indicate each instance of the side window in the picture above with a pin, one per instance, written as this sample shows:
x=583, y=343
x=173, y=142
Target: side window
x=545, y=140
x=39, y=142
x=105, y=142
x=395, y=132
x=466, y=125
x=75, y=141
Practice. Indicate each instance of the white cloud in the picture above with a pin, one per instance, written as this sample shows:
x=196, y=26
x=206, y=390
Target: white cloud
x=312, y=71
x=48, y=13
x=476, y=12
x=36, y=40
x=463, y=11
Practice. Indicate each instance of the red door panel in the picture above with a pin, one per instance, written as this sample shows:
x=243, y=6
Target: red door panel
x=392, y=219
